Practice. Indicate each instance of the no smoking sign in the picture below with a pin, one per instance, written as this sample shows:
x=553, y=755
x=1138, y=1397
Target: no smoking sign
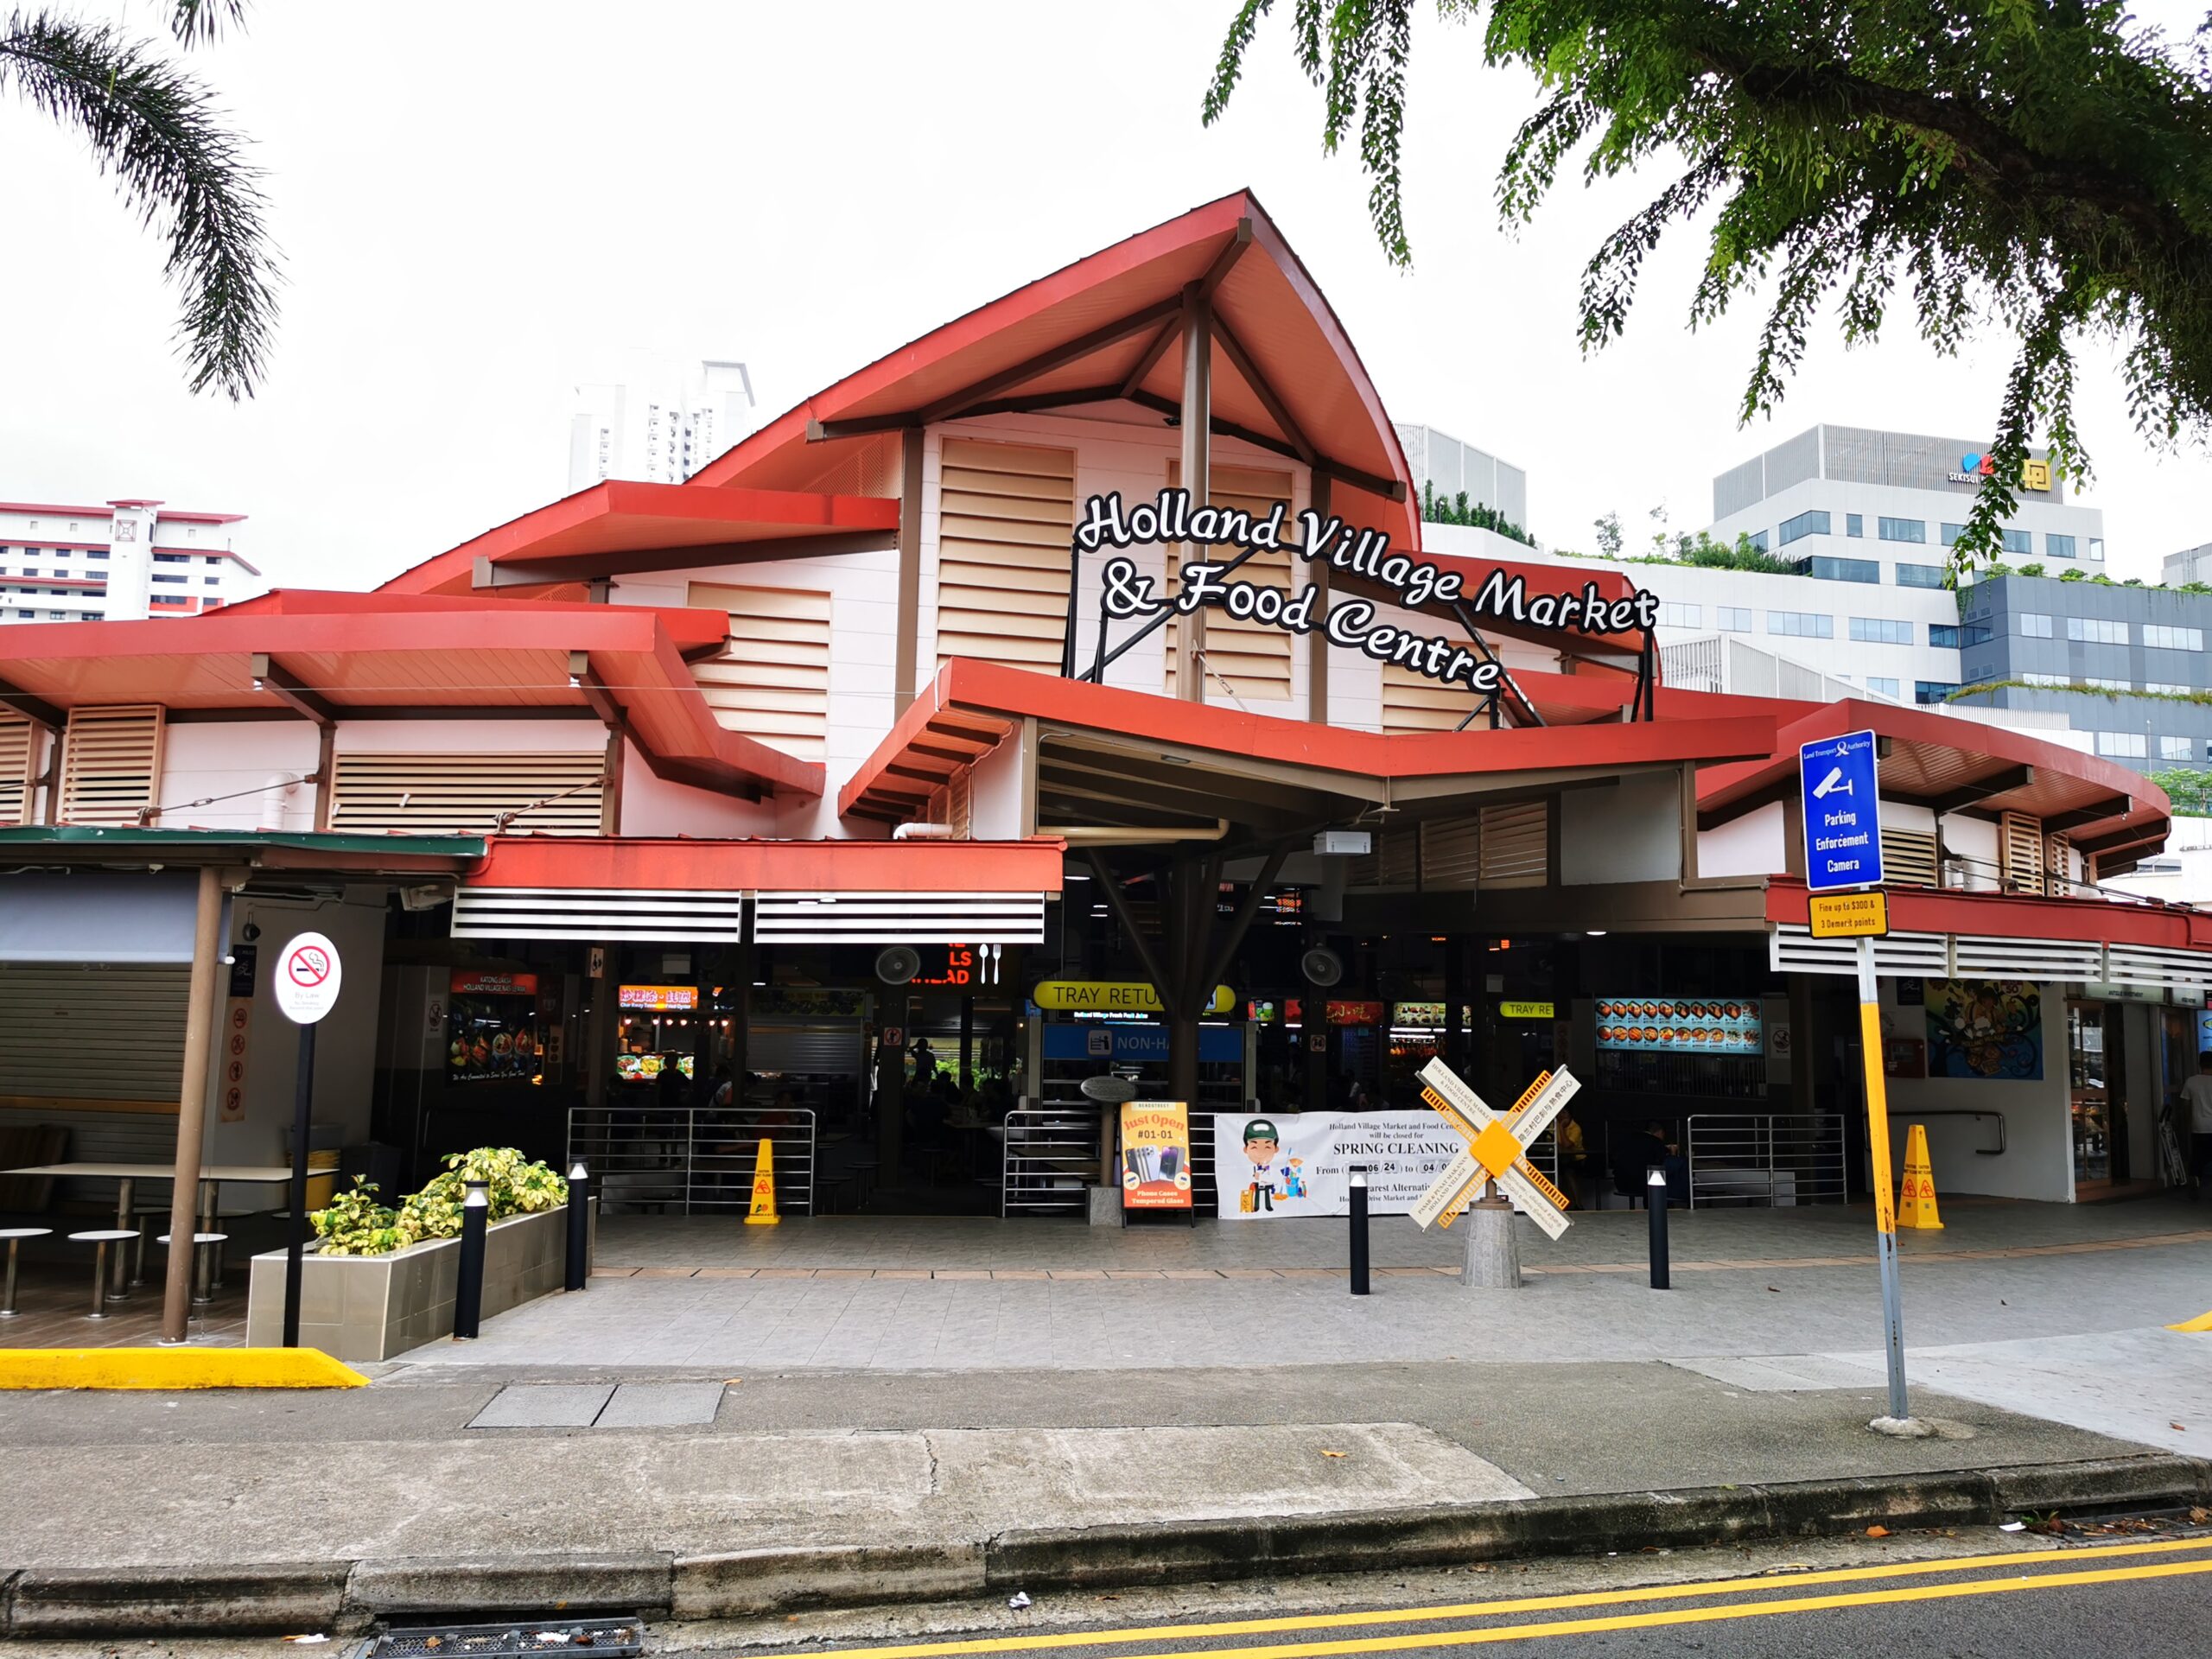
x=307, y=979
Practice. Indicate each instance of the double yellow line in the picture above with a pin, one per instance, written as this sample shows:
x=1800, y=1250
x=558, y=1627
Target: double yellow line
x=2197, y=1553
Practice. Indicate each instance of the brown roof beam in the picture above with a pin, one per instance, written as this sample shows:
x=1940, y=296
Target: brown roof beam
x=2141, y=835
x=1779, y=788
x=1390, y=489
x=273, y=678
x=1157, y=347
x=1242, y=361
x=1982, y=789
x=2112, y=806
x=601, y=700
x=36, y=709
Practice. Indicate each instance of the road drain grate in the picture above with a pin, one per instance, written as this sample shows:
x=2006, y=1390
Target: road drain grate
x=618, y=1637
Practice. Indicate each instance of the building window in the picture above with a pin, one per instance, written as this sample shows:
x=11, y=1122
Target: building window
x=2059, y=547
x=1876, y=683
x=211, y=558
x=2126, y=746
x=172, y=558
x=1947, y=636
x=2168, y=639
x=1880, y=631
x=1759, y=540
x=1951, y=534
x=1932, y=690
x=88, y=616
x=1674, y=614
x=96, y=553
x=210, y=582
x=2103, y=684
x=2167, y=688
x=2018, y=541
x=1812, y=522
x=2173, y=748
x=1904, y=530
x=1803, y=625
x=2096, y=630
x=1733, y=619
x=2034, y=625
x=158, y=578
x=2029, y=676
x=1826, y=569
x=1920, y=576
x=1854, y=524
x=2097, y=549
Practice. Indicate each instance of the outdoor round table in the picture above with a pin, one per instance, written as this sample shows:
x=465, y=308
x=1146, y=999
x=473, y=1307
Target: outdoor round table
x=16, y=1236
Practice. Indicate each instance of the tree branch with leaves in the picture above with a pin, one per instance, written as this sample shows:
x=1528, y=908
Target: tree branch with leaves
x=2043, y=164
x=176, y=162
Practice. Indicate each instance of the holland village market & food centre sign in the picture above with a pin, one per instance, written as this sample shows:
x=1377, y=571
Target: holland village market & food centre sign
x=1350, y=623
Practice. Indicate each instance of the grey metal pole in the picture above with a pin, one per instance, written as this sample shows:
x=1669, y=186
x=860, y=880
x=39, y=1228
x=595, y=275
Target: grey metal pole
x=1655, y=1201
x=1359, y=1230
x=1877, y=1145
x=579, y=1226
x=468, y=1294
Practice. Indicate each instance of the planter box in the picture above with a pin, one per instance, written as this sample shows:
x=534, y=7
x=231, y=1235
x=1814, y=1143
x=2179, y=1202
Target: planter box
x=370, y=1307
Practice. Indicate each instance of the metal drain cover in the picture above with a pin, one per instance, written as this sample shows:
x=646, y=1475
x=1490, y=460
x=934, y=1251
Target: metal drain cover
x=621, y=1638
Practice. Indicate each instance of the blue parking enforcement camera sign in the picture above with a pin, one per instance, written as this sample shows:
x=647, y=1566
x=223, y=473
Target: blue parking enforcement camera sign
x=1843, y=817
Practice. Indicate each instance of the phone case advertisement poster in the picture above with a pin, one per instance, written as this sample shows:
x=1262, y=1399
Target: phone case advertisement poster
x=1155, y=1155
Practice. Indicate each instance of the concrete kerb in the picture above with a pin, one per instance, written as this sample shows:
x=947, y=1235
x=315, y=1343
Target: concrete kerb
x=341, y=1596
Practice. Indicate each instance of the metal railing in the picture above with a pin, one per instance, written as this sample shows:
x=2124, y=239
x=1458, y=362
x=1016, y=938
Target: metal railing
x=1779, y=1158
x=1052, y=1159
x=684, y=1159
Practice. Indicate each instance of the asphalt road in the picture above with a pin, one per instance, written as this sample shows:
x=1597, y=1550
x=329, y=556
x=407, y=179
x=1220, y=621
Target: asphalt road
x=2150, y=1600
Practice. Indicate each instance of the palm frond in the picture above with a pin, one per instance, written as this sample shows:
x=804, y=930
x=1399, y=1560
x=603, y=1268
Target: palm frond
x=178, y=164
x=195, y=23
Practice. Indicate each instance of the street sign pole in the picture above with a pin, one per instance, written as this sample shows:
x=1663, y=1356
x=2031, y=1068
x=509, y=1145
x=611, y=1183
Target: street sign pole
x=305, y=983
x=1840, y=808
x=1877, y=1145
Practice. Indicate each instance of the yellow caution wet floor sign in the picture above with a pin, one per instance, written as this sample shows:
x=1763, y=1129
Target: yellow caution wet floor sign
x=763, y=1213
x=1917, y=1198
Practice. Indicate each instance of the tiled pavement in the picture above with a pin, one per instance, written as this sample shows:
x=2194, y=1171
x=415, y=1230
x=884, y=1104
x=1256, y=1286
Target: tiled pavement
x=1995, y=1274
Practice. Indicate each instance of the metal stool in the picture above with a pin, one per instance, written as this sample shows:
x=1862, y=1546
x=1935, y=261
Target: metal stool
x=100, y=1240
x=200, y=1296
x=142, y=1216
x=15, y=1235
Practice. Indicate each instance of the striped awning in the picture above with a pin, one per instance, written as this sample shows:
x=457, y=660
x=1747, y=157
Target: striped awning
x=623, y=915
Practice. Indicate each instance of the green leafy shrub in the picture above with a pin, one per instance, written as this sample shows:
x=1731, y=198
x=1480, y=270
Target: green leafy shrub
x=356, y=1224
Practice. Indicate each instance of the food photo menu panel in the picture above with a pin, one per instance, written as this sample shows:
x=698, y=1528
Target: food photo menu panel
x=1682, y=1025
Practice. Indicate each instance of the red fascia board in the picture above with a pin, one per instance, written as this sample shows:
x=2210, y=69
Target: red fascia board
x=772, y=866
x=699, y=734
x=82, y=512
x=1009, y=693
x=690, y=629
x=2022, y=916
x=1724, y=784
x=165, y=517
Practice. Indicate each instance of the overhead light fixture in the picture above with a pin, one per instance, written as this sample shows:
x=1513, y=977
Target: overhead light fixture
x=1593, y=933
x=260, y=684
x=575, y=683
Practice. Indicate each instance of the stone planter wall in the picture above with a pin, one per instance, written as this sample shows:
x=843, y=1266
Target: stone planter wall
x=371, y=1307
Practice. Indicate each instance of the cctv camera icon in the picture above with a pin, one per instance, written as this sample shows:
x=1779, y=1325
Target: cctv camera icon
x=1834, y=784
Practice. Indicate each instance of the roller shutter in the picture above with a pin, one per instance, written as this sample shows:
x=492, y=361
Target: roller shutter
x=97, y=1033
x=1005, y=516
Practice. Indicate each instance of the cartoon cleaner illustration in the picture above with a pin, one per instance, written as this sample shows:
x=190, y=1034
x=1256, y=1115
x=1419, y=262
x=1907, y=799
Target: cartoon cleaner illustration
x=1264, y=1146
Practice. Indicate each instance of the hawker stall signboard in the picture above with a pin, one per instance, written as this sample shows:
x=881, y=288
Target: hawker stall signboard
x=1699, y=1024
x=1155, y=1154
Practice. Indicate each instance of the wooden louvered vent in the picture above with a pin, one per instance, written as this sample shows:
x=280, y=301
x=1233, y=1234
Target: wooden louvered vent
x=1908, y=857
x=1252, y=656
x=2058, y=867
x=110, y=763
x=952, y=804
x=771, y=680
x=1394, y=864
x=1451, y=855
x=2019, y=851
x=1515, y=845
x=1414, y=702
x=556, y=794
x=18, y=750
x=1006, y=515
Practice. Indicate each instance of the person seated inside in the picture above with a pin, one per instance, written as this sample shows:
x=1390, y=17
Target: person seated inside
x=1639, y=1155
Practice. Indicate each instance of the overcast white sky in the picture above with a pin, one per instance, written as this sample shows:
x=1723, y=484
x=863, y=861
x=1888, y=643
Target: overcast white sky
x=474, y=200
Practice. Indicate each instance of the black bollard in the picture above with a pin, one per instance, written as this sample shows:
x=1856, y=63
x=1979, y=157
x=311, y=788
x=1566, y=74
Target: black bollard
x=579, y=1266
x=468, y=1294
x=1654, y=1200
x=1359, y=1230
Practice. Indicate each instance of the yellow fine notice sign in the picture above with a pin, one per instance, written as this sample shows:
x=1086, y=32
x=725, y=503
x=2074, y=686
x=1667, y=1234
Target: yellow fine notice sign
x=1850, y=915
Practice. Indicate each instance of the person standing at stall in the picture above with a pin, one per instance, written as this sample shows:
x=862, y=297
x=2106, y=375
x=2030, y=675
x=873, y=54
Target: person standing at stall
x=2198, y=1091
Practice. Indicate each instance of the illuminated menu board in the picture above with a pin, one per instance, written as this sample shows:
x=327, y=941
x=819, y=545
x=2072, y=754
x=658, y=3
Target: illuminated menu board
x=1680, y=1025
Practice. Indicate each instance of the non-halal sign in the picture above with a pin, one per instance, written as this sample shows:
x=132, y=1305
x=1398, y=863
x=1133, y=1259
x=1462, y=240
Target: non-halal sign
x=1172, y=517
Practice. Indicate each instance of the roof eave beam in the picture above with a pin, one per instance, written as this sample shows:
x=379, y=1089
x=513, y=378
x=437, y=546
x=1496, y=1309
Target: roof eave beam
x=2115, y=806
x=36, y=709
x=1241, y=361
x=271, y=676
x=601, y=701
x=1240, y=240
x=959, y=403
x=586, y=566
x=2141, y=835
x=1390, y=489
x=1982, y=789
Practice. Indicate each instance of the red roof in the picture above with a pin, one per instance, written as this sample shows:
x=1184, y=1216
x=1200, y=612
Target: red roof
x=619, y=525
x=367, y=655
